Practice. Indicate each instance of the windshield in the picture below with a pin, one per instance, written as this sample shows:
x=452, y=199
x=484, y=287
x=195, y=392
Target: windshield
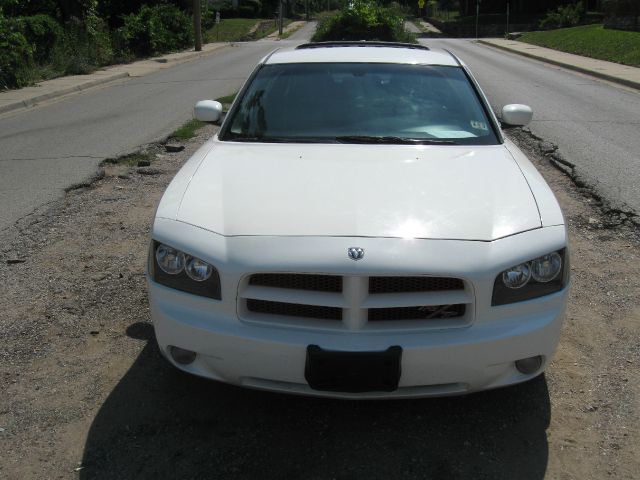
x=360, y=103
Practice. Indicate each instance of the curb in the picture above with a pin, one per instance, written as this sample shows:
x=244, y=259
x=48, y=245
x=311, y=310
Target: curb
x=18, y=104
x=190, y=56
x=587, y=71
x=31, y=101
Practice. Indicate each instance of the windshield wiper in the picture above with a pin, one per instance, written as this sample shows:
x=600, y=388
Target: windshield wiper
x=260, y=139
x=392, y=140
x=266, y=139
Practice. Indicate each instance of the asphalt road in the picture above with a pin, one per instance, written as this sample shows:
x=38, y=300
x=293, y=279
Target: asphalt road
x=595, y=125
x=47, y=149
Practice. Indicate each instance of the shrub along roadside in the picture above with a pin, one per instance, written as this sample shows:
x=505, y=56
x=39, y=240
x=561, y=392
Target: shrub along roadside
x=153, y=30
x=564, y=16
x=16, y=55
x=38, y=47
x=364, y=20
x=591, y=41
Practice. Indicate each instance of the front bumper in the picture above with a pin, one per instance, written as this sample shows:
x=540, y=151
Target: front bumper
x=434, y=363
x=476, y=355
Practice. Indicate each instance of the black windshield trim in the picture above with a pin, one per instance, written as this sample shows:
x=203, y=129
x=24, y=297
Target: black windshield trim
x=361, y=43
x=391, y=140
x=271, y=139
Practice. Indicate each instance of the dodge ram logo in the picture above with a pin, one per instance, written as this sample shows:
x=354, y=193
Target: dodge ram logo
x=355, y=253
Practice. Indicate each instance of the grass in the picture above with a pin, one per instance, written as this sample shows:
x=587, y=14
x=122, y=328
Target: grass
x=132, y=159
x=591, y=41
x=230, y=30
x=228, y=100
x=188, y=130
x=496, y=19
x=237, y=29
x=514, y=18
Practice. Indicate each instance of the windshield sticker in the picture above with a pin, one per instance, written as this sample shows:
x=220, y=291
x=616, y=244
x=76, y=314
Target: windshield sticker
x=478, y=125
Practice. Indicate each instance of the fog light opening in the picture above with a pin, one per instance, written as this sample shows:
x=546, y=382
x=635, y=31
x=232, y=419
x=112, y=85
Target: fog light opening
x=529, y=365
x=182, y=356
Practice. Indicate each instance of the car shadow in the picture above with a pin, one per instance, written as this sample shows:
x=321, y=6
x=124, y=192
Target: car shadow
x=161, y=423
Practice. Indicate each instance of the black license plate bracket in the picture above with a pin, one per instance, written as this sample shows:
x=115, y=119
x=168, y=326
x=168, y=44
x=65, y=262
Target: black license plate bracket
x=353, y=372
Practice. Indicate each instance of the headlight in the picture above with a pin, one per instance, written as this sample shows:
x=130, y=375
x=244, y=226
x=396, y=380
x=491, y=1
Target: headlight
x=197, y=270
x=518, y=276
x=169, y=259
x=545, y=269
x=535, y=278
x=170, y=267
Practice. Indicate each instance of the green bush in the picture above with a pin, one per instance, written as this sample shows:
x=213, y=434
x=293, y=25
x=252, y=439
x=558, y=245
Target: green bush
x=16, y=55
x=246, y=9
x=153, y=30
x=42, y=32
x=249, y=11
x=83, y=46
x=209, y=10
x=621, y=8
x=399, y=10
x=364, y=20
x=35, y=46
x=564, y=16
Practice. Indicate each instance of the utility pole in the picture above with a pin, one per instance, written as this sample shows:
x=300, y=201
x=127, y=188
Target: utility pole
x=477, y=17
x=280, y=18
x=507, y=32
x=197, y=24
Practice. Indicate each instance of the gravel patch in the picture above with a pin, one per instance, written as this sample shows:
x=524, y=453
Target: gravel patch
x=86, y=394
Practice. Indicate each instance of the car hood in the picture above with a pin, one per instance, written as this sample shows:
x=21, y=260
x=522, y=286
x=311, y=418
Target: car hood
x=437, y=192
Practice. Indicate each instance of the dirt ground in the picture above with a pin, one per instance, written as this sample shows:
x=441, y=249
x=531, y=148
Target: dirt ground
x=85, y=393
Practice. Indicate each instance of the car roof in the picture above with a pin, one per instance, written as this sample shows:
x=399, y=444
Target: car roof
x=362, y=52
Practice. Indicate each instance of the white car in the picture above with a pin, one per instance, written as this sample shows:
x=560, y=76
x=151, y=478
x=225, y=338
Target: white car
x=359, y=228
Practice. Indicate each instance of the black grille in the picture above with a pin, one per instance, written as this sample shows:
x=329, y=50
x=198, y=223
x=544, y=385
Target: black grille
x=413, y=284
x=431, y=312
x=294, y=309
x=297, y=281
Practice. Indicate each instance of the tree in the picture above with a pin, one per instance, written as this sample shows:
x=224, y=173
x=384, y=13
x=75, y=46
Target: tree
x=197, y=24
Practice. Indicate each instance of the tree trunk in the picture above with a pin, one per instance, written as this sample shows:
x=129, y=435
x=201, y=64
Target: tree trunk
x=197, y=24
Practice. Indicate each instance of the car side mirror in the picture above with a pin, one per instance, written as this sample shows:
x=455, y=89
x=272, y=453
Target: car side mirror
x=516, y=115
x=208, y=111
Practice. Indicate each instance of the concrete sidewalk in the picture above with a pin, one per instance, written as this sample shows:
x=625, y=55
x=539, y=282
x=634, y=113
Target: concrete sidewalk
x=11, y=100
x=613, y=72
x=429, y=28
x=289, y=29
